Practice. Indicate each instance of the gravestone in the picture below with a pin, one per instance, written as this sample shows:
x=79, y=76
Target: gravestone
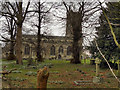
x=97, y=79
x=30, y=61
x=97, y=61
x=83, y=82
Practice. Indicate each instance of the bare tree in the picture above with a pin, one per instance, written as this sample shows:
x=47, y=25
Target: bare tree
x=41, y=12
x=9, y=27
x=15, y=11
x=79, y=14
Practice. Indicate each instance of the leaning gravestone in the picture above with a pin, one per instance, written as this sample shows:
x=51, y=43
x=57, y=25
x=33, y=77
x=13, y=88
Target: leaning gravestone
x=97, y=79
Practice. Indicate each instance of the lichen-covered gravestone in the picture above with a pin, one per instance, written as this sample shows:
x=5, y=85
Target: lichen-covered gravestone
x=97, y=61
x=97, y=79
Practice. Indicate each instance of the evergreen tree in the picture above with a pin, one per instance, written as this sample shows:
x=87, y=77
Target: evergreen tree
x=105, y=39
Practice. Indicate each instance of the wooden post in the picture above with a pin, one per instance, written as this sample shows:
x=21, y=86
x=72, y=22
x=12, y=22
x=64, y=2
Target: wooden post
x=42, y=77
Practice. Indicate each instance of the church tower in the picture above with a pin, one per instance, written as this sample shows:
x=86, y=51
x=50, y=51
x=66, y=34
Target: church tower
x=68, y=26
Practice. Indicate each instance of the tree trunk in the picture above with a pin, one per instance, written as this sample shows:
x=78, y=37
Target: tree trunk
x=19, y=35
x=12, y=44
x=76, y=23
x=11, y=26
x=11, y=54
x=75, y=52
x=19, y=45
x=42, y=77
x=39, y=57
x=77, y=48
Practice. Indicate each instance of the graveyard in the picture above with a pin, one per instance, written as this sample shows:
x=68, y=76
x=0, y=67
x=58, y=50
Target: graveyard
x=62, y=74
x=58, y=44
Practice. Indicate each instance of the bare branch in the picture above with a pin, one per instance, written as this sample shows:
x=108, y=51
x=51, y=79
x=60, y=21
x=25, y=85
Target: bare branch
x=59, y=17
x=26, y=11
x=115, y=24
x=5, y=39
x=12, y=6
x=66, y=6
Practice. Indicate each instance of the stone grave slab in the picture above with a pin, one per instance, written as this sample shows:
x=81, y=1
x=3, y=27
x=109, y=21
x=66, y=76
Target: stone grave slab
x=83, y=82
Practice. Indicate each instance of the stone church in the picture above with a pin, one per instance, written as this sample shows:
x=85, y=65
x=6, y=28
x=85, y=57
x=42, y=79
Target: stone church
x=53, y=47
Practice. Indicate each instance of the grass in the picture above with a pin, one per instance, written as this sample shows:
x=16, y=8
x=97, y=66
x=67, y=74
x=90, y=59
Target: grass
x=62, y=75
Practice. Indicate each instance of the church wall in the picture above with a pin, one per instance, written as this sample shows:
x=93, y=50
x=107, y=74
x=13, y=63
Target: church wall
x=46, y=43
x=57, y=44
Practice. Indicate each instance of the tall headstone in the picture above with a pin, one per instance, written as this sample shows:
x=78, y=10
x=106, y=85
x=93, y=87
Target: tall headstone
x=97, y=61
x=97, y=79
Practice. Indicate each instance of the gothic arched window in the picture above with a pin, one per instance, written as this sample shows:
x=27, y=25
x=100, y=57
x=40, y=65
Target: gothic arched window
x=52, y=50
x=27, y=50
x=69, y=50
x=60, y=49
